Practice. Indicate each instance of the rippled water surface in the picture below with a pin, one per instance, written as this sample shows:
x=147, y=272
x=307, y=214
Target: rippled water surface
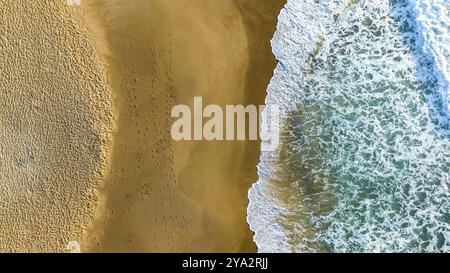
x=365, y=155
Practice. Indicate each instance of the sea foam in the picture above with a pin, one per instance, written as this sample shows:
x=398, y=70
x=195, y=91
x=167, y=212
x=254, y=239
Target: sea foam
x=433, y=23
x=363, y=164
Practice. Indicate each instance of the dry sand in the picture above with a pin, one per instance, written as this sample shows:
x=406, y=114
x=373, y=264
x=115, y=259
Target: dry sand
x=161, y=195
x=55, y=113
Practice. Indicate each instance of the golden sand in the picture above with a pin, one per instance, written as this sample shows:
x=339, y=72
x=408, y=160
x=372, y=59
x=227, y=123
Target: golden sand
x=59, y=183
x=161, y=195
x=55, y=113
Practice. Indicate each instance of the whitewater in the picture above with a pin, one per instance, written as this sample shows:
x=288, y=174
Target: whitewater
x=364, y=158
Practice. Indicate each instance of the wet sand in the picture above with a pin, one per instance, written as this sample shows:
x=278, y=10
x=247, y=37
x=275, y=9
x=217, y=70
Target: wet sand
x=160, y=195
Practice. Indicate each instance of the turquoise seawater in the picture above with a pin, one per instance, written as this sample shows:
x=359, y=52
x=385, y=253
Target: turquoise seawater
x=364, y=160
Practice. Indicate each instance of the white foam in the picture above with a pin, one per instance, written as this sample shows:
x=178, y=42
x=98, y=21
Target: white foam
x=433, y=21
x=301, y=26
x=389, y=133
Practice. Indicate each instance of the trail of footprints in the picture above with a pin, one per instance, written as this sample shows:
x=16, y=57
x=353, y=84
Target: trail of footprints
x=148, y=94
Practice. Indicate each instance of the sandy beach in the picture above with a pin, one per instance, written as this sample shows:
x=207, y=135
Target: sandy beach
x=90, y=96
x=161, y=195
x=55, y=115
x=87, y=93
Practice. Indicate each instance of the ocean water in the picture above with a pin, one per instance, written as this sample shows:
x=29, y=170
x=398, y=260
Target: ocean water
x=364, y=160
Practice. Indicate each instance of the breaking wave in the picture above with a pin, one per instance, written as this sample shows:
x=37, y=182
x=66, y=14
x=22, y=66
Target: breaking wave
x=364, y=159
